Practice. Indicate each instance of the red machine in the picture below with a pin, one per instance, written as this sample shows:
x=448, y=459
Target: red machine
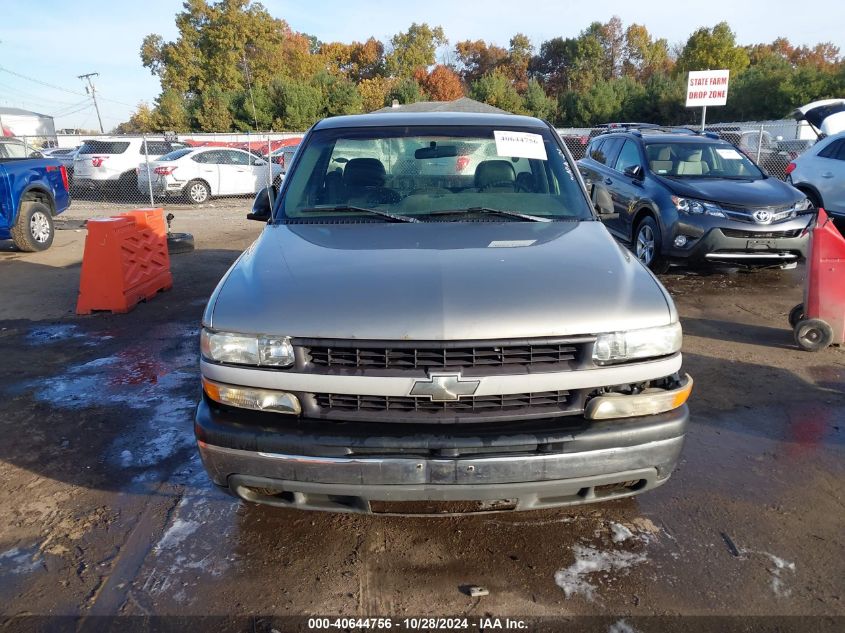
x=820, y=320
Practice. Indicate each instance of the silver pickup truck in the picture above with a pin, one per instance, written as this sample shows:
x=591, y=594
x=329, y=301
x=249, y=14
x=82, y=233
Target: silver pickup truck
x=434, y=320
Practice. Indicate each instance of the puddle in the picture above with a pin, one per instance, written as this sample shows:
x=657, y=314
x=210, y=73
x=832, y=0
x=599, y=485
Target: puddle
x=596, y=565
x=185, y=556
x=152, y=379
x=20, y=560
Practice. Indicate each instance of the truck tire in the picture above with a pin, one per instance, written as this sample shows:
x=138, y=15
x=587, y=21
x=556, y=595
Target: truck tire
x=33, y=230
x=813, y=335
x=180, y=243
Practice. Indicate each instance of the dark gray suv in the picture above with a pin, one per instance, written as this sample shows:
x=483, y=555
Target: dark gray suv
x=676, y=195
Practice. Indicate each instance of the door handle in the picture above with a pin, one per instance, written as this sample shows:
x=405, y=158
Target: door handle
x=608, y=181
x=827, y=174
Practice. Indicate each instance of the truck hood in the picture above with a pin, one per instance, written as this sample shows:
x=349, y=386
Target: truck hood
x=437, y=281
x=765, y=192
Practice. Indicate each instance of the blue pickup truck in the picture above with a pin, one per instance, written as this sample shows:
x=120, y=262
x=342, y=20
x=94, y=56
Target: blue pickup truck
x=33, y=190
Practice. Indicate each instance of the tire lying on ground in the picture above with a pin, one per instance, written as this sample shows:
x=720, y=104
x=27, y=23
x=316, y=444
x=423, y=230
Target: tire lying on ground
x=180, y=243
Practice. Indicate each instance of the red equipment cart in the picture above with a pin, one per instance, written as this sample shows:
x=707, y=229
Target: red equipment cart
x=820, y=320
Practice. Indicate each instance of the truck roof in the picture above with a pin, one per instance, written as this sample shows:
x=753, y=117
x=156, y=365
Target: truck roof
x=392, y=119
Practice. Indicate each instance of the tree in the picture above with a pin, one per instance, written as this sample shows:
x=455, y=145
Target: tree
x=414, y=49
x=374, y=92
x=474, y=59
x=518, y=60
x=712, y=49
x=298, y=104
x=171, y=112
x=442, y=84
x=642, y=56
x=406, y=91
x=495, y=88
x=141, y=121
x=537, y=103
x=253, y=110
x=213, y=110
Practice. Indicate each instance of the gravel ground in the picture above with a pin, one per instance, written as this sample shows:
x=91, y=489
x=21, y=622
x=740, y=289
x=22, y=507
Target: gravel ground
x=105, y=509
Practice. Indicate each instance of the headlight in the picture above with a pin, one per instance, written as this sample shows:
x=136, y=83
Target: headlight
x=802, y=205
x=645, y=343
x=246, y=349
x=697, y=207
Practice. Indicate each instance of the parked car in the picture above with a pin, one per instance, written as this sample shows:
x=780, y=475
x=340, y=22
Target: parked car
x=388, y=346
x=200, y=173
x=16, y=148
x=110, y=162
x=283, y=156
x=675, y=195
x=66, y=156
x=820, y=174
x=827, y=117
x=33, y=190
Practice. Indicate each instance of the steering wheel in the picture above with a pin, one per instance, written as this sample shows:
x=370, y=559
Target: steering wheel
x=499, y=183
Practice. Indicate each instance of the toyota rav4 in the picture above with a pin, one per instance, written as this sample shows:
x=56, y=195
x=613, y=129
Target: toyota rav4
x=401, y=338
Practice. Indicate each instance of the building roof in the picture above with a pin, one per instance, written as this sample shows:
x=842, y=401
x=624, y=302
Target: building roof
x=464, y=104
x=19, y=112
x=394, y=118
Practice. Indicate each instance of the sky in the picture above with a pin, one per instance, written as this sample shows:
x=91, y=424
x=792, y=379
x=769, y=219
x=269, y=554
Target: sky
x=62, y=39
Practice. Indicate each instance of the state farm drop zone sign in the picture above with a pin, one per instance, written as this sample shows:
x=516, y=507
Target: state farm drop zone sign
x=707, y=88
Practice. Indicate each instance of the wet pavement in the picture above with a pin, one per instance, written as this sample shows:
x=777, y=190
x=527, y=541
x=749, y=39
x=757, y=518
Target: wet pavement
x=106, y=510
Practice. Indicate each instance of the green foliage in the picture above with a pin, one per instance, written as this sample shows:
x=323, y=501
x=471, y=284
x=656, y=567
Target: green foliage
x=497, y=90
x=713, y=49
x=607, y=72
x=414, y=49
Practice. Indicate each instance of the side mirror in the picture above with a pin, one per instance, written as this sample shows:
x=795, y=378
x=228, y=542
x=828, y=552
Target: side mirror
x=258, y=162
x=262, y=207
x=634, y=171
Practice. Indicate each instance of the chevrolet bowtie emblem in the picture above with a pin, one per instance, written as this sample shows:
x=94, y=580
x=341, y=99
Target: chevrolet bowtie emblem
x=445, y=387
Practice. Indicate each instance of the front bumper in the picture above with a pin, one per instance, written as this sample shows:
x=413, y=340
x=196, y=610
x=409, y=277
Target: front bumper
x=742, y=243
x=517, y=466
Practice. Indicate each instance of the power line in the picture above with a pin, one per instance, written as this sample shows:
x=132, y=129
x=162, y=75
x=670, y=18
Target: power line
x=43, y=83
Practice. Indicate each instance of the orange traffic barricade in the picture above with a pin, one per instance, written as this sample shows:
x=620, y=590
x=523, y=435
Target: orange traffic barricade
x=125, y=261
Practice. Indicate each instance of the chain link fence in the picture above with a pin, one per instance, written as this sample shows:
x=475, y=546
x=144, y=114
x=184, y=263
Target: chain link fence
x=770, y=144
x=113, y=173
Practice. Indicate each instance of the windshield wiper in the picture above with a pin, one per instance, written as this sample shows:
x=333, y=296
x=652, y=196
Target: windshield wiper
x=510, y=214
x=346, y=208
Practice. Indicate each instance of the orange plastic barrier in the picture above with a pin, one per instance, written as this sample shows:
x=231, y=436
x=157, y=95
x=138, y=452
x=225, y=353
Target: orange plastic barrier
x=125, y=261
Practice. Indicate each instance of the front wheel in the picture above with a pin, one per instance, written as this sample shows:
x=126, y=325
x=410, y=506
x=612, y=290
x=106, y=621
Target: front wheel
x=647, y=245
x=33, y=230
x=813, y=335
x=197, y=192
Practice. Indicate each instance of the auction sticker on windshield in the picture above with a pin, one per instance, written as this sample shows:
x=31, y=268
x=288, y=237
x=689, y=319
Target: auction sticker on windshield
x=730, y=154
x=519, y=145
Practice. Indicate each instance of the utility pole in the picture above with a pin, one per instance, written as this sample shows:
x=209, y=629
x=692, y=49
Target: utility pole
x=93, y=93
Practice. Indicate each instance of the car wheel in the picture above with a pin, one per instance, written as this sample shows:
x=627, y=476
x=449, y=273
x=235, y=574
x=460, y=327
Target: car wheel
x=33, y=230
x=180, y=243
x=647, y=245
x=796, y=314
x=813, y=335
x=127, y=186
x=197, y=192
x=813, y=198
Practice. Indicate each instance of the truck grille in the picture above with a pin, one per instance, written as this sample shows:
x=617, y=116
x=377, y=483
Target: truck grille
x=374, y=357
x=522, y=402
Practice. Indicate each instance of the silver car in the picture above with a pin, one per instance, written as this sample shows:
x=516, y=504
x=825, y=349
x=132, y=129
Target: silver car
x=395, y=342
x=820, y=174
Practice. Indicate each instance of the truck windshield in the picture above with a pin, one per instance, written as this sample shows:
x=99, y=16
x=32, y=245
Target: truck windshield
x=432, y=173
x=700, y=160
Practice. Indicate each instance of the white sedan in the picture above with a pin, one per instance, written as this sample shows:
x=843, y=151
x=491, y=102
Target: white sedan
x=198, y=173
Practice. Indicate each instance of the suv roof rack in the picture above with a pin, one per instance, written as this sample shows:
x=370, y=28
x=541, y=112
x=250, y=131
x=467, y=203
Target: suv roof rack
x=638, y=128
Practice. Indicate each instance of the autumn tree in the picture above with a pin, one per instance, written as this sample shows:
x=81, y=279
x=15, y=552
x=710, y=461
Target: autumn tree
x=474, y=59
x=441, y=84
